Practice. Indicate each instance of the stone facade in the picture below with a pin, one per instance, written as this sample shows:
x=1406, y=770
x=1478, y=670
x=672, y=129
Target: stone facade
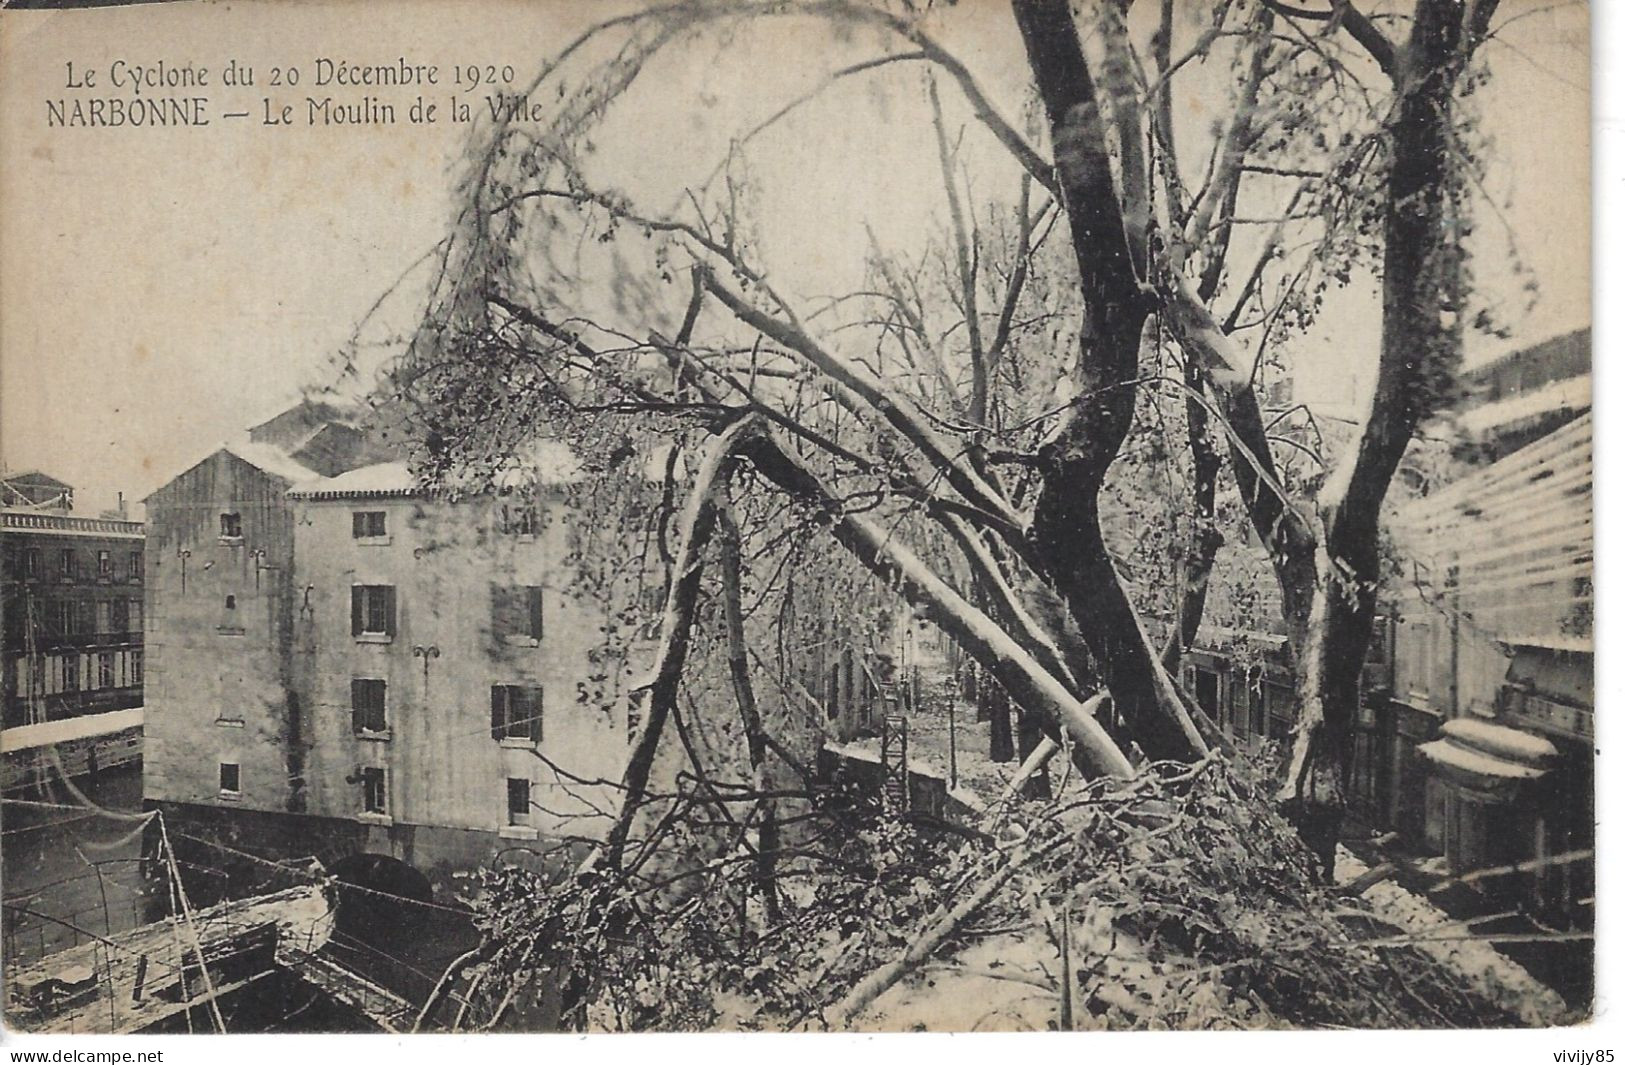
x=369, y=668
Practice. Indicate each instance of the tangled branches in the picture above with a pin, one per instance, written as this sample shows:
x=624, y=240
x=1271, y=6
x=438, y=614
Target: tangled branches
x=1183, y=898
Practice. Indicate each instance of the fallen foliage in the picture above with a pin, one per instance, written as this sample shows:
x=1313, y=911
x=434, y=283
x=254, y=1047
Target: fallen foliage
x=1184, y=899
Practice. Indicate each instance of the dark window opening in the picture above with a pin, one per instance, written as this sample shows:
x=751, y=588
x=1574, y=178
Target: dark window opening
x=136, y=561
x=1281, y=710
x=104, y=670
x=104, y=564
x=135, y=668
x=518, y=801
x=520, y=519
x=367, y=706
x=1207, y=692
x=517, y=611
x=31, y=562
x=120, y=610
x=231, y=526
x=372, y=610
x=84, y=616
x=516, y=712
x=366, y=524
x=231, y=602
x=69, y=564
x=231, y=777
x=372, y=790
x=70, y=673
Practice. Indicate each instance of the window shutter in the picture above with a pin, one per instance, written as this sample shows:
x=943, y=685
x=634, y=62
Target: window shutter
x=358, y=525
x=358, y=702
x=358, y=603
x=389, y=610
x=498, y=718
x=534, y=597
x=499, y=611
x=534, y=711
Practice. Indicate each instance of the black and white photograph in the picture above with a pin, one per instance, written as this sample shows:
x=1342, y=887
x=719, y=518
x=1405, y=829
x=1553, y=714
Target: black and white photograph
x=798, y=516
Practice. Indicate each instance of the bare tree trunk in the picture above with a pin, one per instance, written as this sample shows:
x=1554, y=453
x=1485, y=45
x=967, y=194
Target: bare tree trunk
x=657, y=695
x=1001, y=744
x=1066, y=530
x=1205, y=539
x=1416, y=369
x=1029, y=736
x=767, y=826
x=1284, y=532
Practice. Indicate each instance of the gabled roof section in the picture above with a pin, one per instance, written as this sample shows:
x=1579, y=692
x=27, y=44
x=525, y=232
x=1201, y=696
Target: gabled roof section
x=266, y=458
x=272, y=460
x=298, y=422
x=33, y=477
x=382, y=480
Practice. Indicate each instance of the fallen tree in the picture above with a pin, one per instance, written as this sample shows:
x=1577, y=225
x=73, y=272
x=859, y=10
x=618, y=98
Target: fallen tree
x=898, y=426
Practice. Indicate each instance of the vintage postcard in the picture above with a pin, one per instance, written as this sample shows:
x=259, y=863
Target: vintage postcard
x=796, y=515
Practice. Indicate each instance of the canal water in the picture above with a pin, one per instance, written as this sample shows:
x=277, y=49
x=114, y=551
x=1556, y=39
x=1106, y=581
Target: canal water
x=70, y=873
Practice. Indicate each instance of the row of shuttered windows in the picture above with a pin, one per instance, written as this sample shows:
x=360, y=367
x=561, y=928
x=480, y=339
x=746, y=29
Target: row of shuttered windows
x=373, y=782
x=63, y=674
x=516, y=709
x=515, y=611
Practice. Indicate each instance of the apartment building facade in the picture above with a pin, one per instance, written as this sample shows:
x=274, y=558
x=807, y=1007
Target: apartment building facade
x=73, y=614
x=343, y=664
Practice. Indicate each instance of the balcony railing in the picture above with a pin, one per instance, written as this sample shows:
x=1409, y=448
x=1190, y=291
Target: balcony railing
x=47, y=641
x=66, y=523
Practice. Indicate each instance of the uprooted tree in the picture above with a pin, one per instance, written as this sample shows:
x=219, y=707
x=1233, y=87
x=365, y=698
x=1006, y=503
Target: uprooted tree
x=953, y=420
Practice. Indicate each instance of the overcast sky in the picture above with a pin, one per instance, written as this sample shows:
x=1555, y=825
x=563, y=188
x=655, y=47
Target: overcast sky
x=162, y=289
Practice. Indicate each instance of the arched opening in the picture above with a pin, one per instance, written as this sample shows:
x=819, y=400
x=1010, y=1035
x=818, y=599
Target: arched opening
x=390, y=929
x=376, y=898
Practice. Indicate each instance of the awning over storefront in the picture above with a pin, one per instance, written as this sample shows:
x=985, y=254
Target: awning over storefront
x=1491, y=760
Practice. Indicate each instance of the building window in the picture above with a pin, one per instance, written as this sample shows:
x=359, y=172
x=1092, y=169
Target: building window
x=231, y=526
x=367, y=525
x=84, y=619
x=69, y=564
x=516, y=713
x=518, y=801
x=134, y=576
x=59, y=617
x=372, y=610
x=1278, y=698
x=120, y=615
x=517, y=612
x=367, y=706
x=1207, y=692
x=30, y=563
x=229, y=623
x=231, y=778
x=520, y=519
x=373, y=799
x=135, y=668
x=104, y=669
x=104, y=565
x=70, y=673
x=136, y=615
